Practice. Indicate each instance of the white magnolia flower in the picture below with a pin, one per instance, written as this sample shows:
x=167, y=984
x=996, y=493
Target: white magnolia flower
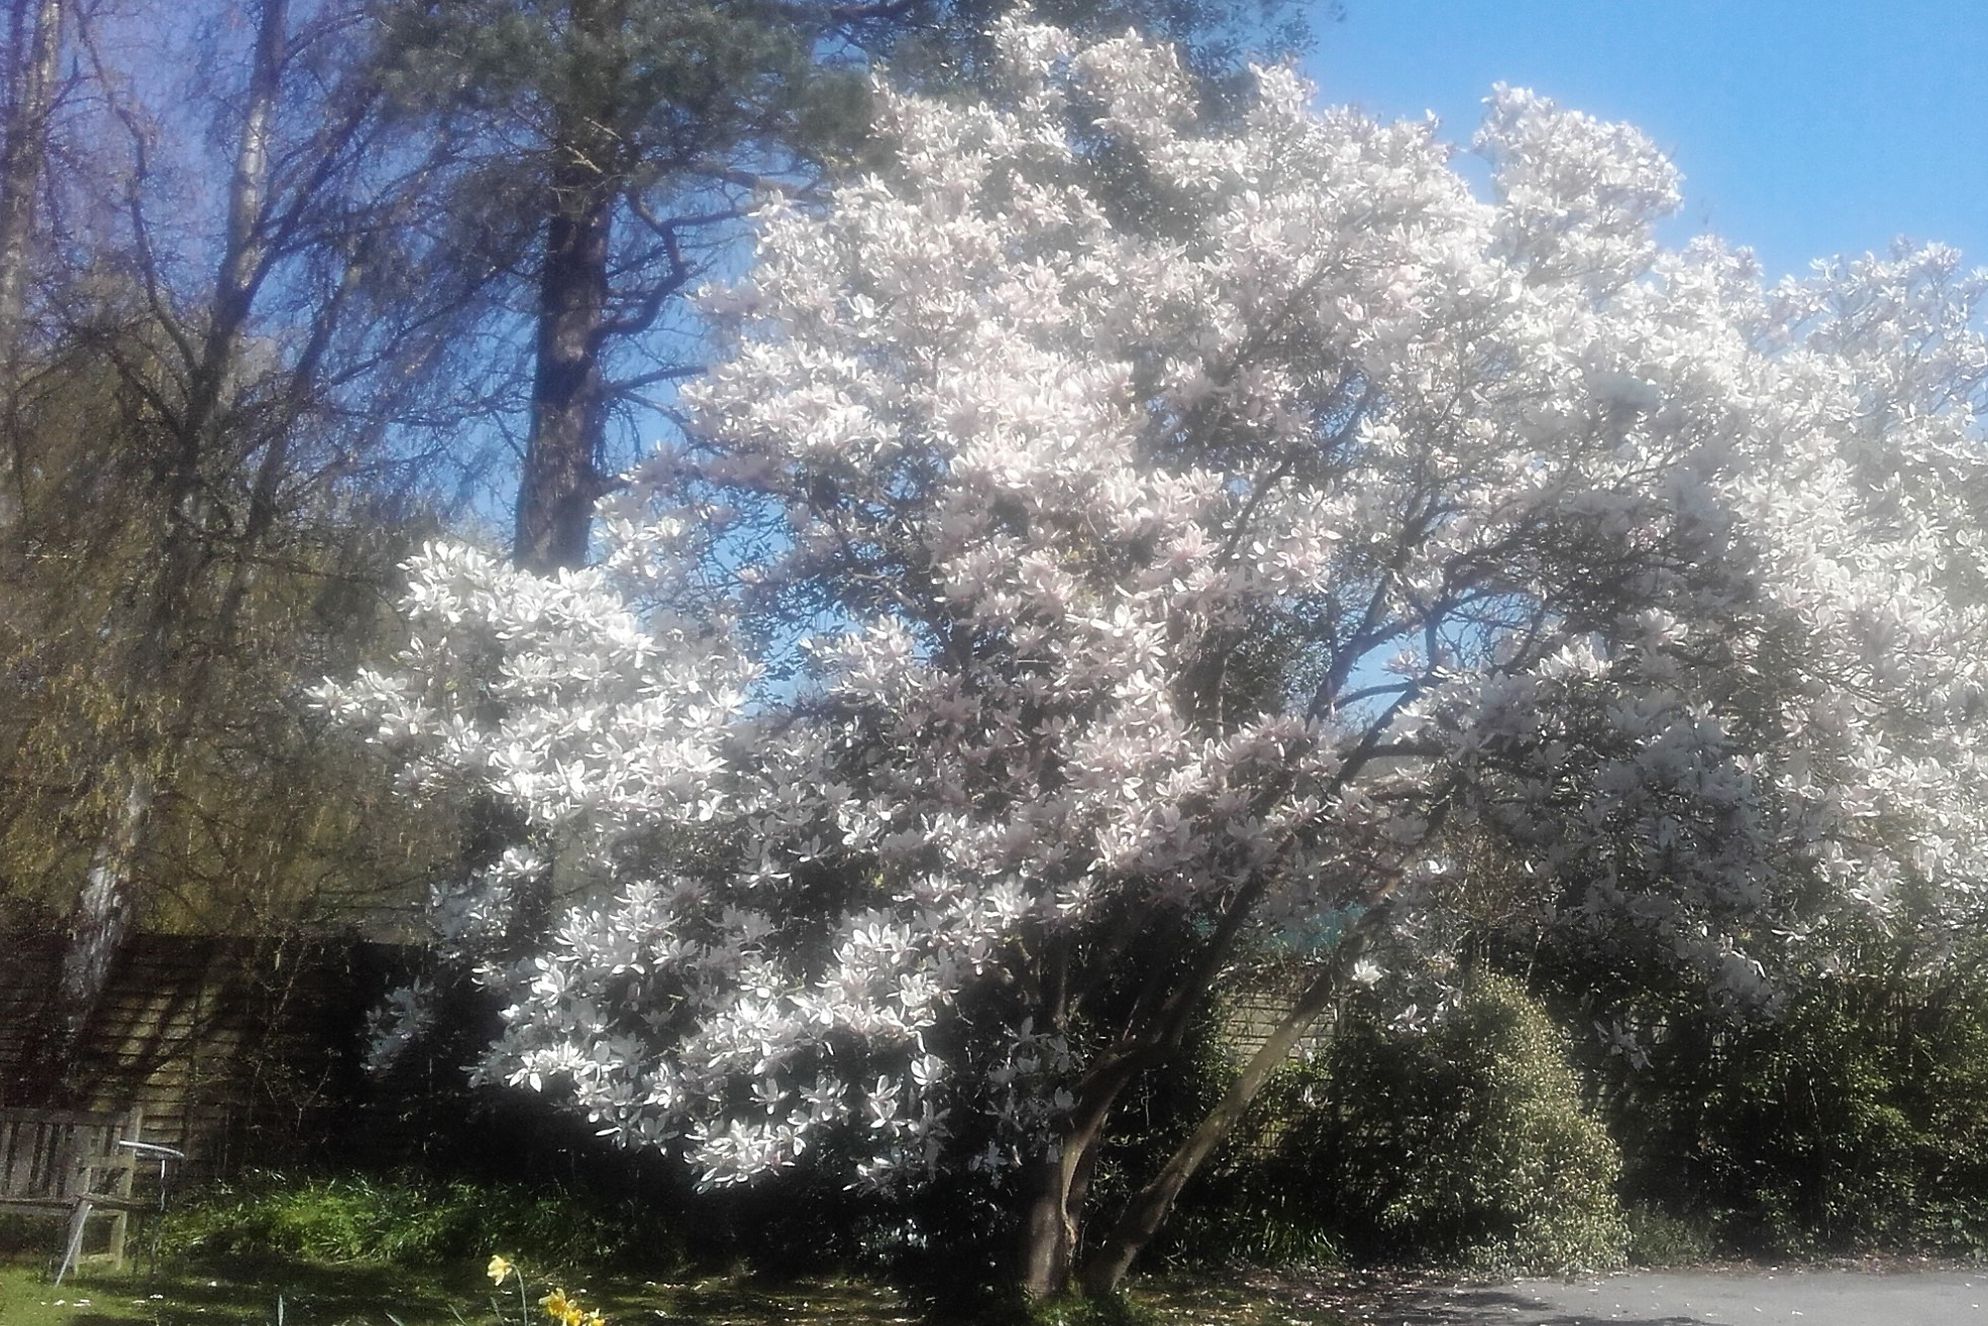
x=1206, y=585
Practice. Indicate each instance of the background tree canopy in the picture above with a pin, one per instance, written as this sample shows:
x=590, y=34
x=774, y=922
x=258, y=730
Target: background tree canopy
x=283, y=293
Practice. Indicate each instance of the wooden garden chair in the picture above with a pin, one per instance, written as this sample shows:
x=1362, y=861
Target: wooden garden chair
x=68, y=1165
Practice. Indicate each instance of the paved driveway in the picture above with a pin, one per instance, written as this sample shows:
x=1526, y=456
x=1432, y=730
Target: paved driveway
x=1692, y=1298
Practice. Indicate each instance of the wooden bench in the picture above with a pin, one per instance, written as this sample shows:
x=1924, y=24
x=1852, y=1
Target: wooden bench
x=68, y=1164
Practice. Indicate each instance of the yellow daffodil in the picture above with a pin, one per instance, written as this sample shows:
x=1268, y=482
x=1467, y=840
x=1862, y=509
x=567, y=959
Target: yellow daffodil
x=498, y=1270
x=594, y=1318
x=561, y=1308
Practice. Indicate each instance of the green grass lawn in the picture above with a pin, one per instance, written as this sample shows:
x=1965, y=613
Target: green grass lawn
x=245, y=1293
x=359, y=1294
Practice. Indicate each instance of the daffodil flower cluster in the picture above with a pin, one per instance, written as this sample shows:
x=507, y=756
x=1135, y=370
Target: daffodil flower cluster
x=1113, y=541
x=559, y=1307
x=565, y=1309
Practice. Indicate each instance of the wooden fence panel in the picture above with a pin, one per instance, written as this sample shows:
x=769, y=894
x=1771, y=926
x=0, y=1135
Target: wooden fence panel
x=238, y=1050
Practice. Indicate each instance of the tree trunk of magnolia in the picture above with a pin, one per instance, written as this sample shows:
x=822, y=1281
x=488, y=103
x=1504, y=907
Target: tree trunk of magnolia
x=1049, y=1236
x=559, y=484
x=1150, y=1206
x=1052, y=1227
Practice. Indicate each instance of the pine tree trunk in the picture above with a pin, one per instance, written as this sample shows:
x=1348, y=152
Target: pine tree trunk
x=560, y=482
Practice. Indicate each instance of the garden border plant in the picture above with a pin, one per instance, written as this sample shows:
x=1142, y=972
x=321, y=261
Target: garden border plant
x=415, y=1219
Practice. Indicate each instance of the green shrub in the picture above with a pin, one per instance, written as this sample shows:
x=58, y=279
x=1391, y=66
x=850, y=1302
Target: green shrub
x=1657, y=1238
x=1238, y=1224
x=415, y=1221
x=1852, y=1117
x=1464, y=1145
x=29, y=1234
x=1853, y=1122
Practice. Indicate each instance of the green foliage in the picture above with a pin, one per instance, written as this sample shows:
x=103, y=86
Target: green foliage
x=1657, y=1238
x=415, y=1222
x=658, y=85
x=263, y=823
x=1851, y=1116
x=32, y=1235
x=1236, y=1226
x=1465, y=1145
x=1158, y=1112
x=1849, y=1124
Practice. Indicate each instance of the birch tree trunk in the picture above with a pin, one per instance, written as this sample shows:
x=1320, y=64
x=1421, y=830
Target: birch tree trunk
x=164, y=700
x=35, y=40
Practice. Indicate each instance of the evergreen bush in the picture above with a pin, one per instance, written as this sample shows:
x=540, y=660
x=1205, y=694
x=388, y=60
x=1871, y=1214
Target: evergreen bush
x=1845, y=1114
x=1466, y=1144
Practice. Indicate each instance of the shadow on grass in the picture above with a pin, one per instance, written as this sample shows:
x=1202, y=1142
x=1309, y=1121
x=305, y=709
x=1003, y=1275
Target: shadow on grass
x=244, y=1292
x=241, y=1293
x=755, y=1301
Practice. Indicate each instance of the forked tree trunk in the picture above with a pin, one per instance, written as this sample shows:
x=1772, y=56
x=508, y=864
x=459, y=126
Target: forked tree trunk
x=1053, y=1223
x=1105, y=1269
x=1048, y=1234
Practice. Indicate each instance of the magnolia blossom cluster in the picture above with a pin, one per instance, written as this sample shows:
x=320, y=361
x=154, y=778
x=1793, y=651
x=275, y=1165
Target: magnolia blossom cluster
x=1147, y=539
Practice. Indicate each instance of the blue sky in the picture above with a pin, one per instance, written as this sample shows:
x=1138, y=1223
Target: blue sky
x=1802, y=129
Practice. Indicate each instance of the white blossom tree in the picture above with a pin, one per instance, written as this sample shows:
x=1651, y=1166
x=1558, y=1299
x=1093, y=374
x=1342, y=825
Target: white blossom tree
x=1187, y=532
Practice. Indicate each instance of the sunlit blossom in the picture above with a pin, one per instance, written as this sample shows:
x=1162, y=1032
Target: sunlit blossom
x=1241, y=566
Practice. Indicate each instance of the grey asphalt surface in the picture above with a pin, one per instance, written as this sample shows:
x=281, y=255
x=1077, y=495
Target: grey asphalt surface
x=1696, y=1298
